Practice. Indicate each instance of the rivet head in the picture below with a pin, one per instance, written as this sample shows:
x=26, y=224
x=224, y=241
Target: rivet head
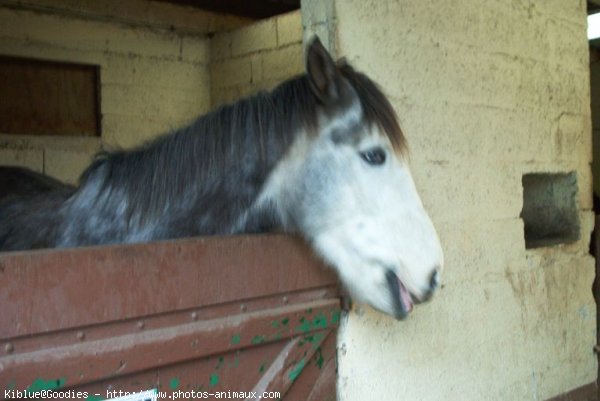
x=194, y=315
x=285, y=299
x=244, y=308
x=141, y=324
x=8, y=348
x=80, y=335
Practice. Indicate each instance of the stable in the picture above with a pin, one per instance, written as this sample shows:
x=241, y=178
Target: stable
x=494, y=101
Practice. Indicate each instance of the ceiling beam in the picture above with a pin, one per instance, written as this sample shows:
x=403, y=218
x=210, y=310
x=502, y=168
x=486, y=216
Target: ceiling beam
x=256, y=9
x=593, y=6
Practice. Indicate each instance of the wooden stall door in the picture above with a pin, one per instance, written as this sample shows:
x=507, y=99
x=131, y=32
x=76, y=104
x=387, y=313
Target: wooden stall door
x=252, y=316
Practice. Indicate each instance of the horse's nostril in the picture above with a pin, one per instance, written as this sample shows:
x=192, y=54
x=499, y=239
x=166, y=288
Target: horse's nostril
x=434, y=282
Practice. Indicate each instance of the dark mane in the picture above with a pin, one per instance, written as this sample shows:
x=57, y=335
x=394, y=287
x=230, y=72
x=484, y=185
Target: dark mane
x=230, y=150
x=22, y=182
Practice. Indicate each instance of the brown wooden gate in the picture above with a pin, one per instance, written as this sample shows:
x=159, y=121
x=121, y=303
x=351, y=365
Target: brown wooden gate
x=238, y=314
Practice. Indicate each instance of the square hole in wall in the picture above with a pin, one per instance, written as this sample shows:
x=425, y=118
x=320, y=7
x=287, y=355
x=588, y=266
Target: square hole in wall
x=550, y=209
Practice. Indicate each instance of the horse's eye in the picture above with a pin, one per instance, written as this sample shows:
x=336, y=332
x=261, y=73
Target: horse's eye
x=375, y=156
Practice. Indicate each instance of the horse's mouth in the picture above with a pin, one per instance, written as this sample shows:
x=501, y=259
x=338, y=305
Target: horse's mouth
x=403, y=300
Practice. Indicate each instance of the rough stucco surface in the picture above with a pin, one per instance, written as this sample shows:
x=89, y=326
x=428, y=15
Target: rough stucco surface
x=486, y=91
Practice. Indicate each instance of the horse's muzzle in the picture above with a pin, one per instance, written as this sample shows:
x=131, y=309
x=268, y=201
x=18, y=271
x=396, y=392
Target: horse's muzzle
x=434, y=283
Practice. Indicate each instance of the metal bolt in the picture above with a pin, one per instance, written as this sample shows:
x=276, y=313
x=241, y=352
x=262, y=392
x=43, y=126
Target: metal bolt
x=194, y=315
x=80, y=335
x=285, y=299
x=244, y=308
x=141, y=324
x=9, y=348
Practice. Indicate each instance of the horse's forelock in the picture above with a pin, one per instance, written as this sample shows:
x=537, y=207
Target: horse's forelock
x=376, y=107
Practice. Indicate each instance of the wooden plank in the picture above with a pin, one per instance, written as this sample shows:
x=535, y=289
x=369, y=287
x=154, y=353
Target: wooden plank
x=48, y=98
x=102, y=284
x=256, y=9
x=247, y=313
x=88, y=361
x=289, y=364
x=317, y=381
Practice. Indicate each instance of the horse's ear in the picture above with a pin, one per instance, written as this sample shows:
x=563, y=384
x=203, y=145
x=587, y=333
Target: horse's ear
x=322, y=72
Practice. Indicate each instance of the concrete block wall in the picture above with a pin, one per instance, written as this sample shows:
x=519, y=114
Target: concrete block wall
x=153, y=78
x=255, y=57
x=486, y=92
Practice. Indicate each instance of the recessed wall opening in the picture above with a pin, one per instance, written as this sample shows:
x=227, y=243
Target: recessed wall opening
x=550, y=209
x=48, y=98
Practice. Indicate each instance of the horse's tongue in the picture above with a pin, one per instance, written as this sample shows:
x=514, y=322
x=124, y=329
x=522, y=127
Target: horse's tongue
x=405, y=297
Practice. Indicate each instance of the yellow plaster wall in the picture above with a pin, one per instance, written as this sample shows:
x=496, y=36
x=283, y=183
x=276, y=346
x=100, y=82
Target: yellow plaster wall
x=486, y=91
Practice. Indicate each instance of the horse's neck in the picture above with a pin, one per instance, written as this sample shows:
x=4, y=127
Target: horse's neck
x=201, y=180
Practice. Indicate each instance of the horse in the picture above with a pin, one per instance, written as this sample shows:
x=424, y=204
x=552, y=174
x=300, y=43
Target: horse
x=321, y=155
x=23, y=182
x=34, y=193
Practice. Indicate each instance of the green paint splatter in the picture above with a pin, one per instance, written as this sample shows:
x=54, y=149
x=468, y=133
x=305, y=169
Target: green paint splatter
x=304, y=325
x=317, y=338
x=318, y=322
x=335, y=317
x=295, y=372
x=258, y=339
x=309, y=310
x=314, y=339
x=214, y=380
x=278, y=323
x=174, y=383
x=319, y=357
x=277, y=336
x=261, y=368
x=236, y=359
x=235, y=339
x=11, y=385
x=93, y=398
x=41, y=384
x=220, y=364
